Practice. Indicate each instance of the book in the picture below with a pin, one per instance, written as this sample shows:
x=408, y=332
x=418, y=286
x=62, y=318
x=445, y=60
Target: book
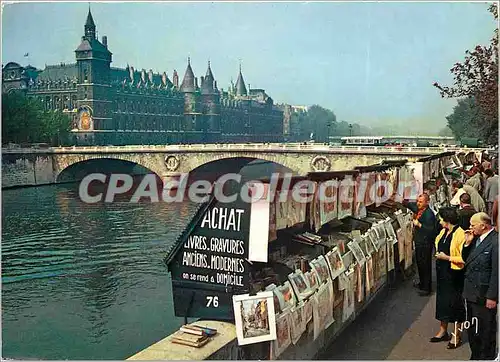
x=191, y=344
x=207, y=330
x=189, y=337
x=197, y=332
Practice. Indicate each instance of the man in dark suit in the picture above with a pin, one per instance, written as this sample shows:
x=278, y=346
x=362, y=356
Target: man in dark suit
x=480, y=254
x=424, y=235
x=465, y=212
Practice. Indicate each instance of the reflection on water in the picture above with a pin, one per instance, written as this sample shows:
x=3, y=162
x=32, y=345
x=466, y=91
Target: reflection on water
x=82, y=281
x=87, y=281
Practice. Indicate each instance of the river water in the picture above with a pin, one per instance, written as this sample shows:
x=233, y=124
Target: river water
x=85, y=281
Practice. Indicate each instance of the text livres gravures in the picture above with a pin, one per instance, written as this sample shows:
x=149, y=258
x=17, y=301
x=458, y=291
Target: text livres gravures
x=203, y=252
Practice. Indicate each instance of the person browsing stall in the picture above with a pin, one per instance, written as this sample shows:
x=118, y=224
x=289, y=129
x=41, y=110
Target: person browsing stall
x=480, y=254
x=449, y=277
x=459, y=188
x=424, y=234
x=465, y=212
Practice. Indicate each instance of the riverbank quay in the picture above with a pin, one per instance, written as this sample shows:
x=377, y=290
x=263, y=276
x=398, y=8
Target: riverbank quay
x=220, y=347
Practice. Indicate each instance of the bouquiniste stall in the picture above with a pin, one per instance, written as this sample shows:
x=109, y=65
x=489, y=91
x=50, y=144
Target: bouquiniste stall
x=287, y=271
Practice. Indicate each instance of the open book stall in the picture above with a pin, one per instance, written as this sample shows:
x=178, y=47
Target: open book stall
x=334, y=253
x=290, y=273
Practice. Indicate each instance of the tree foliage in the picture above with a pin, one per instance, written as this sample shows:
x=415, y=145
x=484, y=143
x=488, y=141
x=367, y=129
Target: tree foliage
x=24, y=120
x=477, y=78
x=322, y=124
x=316, y=121
x=464, y=118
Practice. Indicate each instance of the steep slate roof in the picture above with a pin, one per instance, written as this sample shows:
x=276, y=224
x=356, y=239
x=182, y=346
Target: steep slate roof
x=119, y=74
x=188, y=81
x=55, y=72
x=94, y=45
x=90, y=20
x=208, y=82
x=241, y=89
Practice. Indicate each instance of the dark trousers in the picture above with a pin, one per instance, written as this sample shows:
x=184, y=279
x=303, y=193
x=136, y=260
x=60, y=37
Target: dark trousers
x=482, y=331
x=423, y=256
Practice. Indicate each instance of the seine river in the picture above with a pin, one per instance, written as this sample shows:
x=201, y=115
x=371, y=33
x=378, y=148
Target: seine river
x=83, y=281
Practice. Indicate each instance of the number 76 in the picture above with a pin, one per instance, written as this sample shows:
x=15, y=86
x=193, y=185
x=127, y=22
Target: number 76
x=213, y=301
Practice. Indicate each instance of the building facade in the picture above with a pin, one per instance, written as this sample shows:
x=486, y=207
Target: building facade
x=116, y=106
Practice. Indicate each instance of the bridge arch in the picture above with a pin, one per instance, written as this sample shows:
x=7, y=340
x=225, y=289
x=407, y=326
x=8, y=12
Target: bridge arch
x=68, y=169
x=194, y=161
x=249, y=167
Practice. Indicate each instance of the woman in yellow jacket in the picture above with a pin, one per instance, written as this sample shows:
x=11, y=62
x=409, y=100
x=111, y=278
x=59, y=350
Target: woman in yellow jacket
x=450, y=277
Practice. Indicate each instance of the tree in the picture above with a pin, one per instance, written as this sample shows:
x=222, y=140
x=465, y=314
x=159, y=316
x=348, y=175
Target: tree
x=317, y=120
x=477, y=78
x=25, y=121
x=464, y=118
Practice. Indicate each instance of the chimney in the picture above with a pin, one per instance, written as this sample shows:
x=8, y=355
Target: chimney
x=195, y=83
x=201, y=81
x=105, y=41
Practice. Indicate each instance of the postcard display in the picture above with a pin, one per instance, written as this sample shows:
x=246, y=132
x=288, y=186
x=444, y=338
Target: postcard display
x=317, y=270
x=330, y=276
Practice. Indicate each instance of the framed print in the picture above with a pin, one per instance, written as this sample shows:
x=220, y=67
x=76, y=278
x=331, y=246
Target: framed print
x=312, y=279
x=272, y=288
x=348, y=259
x=335, y=263
x=254, y=318
x=390, y=231
x=323, y=311
x=328, y=206
x=357, y=252
x=382, y=261
x=345, y=198
x=367, y=243
x=348, y=306
x=283, y=335
x=373, y=237
x=320, y=266
x=298, y=322
x=285, y=296
x=299, y=284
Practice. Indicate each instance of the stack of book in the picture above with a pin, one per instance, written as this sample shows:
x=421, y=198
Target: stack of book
x=193, y=335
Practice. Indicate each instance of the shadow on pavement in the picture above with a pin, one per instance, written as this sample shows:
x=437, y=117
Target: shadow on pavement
x=377, y=330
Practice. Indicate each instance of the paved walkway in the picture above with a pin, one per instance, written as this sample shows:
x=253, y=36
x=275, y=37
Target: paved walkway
x=396, y=326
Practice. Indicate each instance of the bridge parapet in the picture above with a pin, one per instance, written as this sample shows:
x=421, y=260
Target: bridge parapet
x=242, y=147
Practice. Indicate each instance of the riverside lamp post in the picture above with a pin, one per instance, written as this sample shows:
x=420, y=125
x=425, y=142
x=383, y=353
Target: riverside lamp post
x=350, y=129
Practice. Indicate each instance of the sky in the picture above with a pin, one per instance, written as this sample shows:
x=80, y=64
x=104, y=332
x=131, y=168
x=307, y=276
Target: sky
x=372, y=63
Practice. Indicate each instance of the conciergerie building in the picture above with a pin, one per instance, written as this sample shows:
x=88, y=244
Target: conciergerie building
x=116, y=106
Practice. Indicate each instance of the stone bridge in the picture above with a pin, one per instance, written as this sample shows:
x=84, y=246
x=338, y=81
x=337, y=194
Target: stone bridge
x=22, y=166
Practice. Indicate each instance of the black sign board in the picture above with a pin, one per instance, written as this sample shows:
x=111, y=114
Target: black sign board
x=210, y=263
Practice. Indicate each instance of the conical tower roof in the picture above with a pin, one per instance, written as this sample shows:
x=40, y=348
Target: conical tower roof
x=188, y=81
x=241, y=89
x=90, y=20
x=208, y=81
